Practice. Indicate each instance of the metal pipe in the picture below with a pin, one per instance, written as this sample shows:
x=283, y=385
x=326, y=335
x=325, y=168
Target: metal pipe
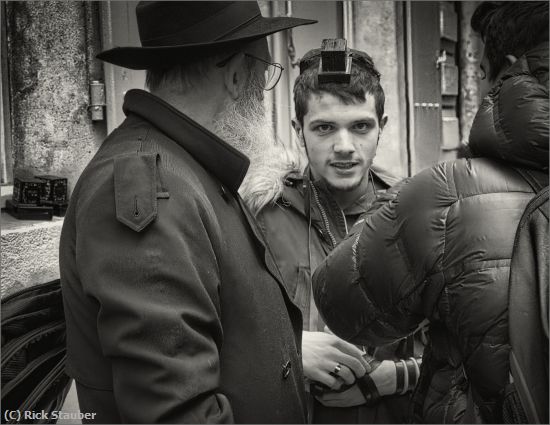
x=94, y=66
x=348, y=27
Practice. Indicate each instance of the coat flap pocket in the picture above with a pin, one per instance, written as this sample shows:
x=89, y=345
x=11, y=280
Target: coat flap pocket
x=135, y=189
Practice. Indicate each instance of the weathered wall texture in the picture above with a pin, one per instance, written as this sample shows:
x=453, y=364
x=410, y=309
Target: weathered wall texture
x=50, y=51
x=378, y=31
x=470, y=57
x=47, y=51
x=29, y=254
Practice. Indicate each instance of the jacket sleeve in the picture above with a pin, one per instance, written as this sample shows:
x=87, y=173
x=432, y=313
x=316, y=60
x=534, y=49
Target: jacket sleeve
x=371, y=289
x=159, y=311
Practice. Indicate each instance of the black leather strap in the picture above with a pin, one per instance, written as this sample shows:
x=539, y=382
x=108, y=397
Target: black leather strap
x=411, y=372
x=369, y=390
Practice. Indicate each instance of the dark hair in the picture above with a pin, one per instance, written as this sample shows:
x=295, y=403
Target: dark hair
x=364, y=79
x=510, y=28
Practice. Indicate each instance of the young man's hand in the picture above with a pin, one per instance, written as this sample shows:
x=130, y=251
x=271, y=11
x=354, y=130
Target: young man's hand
x=323, y=352
x=385, y=377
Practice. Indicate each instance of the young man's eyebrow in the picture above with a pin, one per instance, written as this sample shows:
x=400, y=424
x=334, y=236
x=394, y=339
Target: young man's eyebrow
x=369, y=120
x=320, y=121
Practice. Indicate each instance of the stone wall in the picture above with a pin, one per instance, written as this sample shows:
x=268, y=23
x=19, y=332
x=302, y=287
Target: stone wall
x=51, y=46
x=378, y=30
x=29, y=253
x=470, y=58
x=48, y=60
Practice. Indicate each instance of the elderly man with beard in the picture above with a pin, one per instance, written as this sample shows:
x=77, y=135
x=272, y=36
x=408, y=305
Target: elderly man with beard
x=304, y=214
x=175, y=310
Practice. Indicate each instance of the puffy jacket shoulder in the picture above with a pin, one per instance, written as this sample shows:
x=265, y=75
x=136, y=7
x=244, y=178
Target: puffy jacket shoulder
x=448, y=215
x=512, y=121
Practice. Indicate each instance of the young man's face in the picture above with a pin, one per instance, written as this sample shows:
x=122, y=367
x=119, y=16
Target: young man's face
x=340, y=140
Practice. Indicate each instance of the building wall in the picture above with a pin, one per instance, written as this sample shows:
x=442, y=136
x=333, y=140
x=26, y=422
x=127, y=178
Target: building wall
x=29, y=254
x=50, y=46
x=52, y=132
x=470, y=58
x=378, y=30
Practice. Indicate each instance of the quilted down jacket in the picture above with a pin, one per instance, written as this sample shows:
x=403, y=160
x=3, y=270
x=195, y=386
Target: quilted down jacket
x=441, y=251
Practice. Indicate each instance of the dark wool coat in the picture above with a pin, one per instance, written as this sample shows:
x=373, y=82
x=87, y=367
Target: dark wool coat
x=175, y=311
x=442, y=251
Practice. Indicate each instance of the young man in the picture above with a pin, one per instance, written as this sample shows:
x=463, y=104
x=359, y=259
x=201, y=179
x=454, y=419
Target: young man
x=443, y=246
x=309, y=212
x=175, y=312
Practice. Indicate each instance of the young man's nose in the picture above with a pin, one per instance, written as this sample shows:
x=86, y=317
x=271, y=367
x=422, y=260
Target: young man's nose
x=343, y=143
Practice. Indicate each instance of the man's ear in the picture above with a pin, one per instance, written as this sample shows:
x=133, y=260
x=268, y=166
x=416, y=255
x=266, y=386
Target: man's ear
x=383, y=122
x=235, y=75
x=299, y=131
x=510, y=60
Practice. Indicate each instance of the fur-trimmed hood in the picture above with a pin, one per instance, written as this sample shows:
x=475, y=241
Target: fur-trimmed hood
x=264, y=182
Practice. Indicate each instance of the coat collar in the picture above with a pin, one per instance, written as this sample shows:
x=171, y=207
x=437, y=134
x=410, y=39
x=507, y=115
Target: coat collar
x=297, y=188
x=313, y=200
x=225, y=162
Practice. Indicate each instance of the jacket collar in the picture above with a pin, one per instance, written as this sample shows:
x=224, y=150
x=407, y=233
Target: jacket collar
x=225, y=162
x=313, y=200
x=362, y=204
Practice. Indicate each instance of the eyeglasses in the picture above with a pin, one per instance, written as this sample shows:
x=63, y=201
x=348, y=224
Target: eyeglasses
x=273, y=70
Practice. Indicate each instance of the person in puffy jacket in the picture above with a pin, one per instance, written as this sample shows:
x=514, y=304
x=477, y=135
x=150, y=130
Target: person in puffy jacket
x=441, y=249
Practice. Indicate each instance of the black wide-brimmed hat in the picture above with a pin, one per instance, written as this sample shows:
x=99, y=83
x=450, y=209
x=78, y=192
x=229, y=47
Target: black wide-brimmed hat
x=173, y=31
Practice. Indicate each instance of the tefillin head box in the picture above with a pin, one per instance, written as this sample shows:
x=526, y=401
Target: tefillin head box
x=27, y=190
x=335, y=64
x=38, y=197
x=54, y=190
x=25, y=202
x=54, y=193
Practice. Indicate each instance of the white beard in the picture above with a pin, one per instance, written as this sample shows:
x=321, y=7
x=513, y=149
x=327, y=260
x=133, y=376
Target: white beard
x=245, y=125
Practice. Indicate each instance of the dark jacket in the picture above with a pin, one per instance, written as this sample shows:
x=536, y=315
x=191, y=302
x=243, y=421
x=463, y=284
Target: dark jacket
x=443, y=250
x=175, y=311
x=528, y=310
x=302, y=223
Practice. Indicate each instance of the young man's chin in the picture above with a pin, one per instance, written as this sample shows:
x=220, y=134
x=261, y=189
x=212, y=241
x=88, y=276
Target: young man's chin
x=343, y=185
